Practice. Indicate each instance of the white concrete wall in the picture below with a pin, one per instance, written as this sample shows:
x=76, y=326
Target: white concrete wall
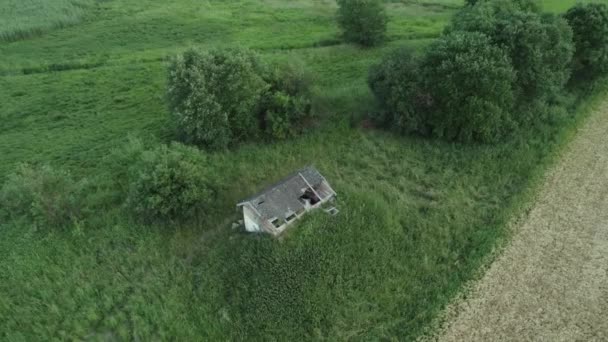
x=249, y=218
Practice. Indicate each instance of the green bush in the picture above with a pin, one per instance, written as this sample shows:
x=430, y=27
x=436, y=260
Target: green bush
x=214, y=96
x=539, y=45
x=362, y=21
x=590, y=25
x=527, y=5
x=396, y=83
x=169, y=183
x=287, y=104
x=49, y=197
x=471, y=84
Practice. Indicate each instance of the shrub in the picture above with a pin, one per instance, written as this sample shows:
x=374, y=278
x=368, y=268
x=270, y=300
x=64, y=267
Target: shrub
x=214, y=95
x=49, y=197
x=287, y=104
x=396, y=84
x=471, y=82
x=527, y=5
x=590, y=25
x=169, y=183
x=539, y=45
x=362, y=21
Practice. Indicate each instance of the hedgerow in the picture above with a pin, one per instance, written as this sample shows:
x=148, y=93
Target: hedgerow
x=589, y=23
x=497, y=67
x=539, y=45
x=396, y=83
x=471, y=83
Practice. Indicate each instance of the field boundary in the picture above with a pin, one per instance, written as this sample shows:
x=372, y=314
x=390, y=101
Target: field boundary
x=523, y=208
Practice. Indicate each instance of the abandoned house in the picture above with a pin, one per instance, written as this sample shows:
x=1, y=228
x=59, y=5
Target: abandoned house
x=275, y=208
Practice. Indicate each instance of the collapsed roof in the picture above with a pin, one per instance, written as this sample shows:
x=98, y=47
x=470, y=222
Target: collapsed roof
x=284, y=197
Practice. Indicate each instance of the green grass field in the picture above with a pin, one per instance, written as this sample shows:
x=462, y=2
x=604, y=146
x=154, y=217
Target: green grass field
x=20, y=19
x=417, y=216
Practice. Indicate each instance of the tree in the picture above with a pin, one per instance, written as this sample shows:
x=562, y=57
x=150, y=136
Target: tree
x=169, y=183
x=396, y=83
x=589, y=23
x=362, y=21
x=471, y=83
x=527, y=5
x=287, y=104
x=214, y=95
x=539, y=45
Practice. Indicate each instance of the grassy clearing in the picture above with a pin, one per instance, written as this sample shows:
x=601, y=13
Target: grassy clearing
x=417, y=216
x=22, y=19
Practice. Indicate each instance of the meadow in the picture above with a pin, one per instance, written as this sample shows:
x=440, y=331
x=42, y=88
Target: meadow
x=418, y=216
x=20, y=19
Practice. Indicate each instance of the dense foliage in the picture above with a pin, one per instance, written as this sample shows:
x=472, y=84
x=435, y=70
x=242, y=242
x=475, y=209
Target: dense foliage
x=222, y=97
x=362, y=21
x=499, y=66
x=437, y=209
x=471, y=83
x=590, y=25
x=168, y=183
x=214, y=95
x=286, y=106
x=396, y=83
x=528, y=5
x=539, y=45
x=49, y=197
x=295, y=286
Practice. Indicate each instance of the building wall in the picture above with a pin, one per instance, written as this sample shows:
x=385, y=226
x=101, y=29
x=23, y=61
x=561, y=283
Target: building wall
x=250, y=220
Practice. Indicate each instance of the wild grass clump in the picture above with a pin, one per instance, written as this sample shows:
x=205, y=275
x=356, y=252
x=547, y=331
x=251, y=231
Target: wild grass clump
x=22, y=19
x=363, y=21
x=223, y=97
x=48, y=197
x=293, y=287
x=165, y=183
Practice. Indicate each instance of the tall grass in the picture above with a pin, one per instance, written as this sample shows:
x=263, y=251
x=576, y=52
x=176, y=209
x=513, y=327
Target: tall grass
x=21, y=19
x=417, y=217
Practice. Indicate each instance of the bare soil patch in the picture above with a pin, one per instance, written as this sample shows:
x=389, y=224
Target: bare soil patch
x=551, y=282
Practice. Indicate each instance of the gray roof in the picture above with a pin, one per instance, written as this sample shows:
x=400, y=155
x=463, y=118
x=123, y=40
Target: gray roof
x=283, y=197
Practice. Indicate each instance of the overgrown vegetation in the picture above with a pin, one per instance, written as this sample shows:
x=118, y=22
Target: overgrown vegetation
x=382, y=269
x=286, y=106
x=471, y=83
x=214, y=96
x=397, y=84
x=49, y=198
x=590, y=25
x=362, y=21
x=498, y=67
x=167, y=183
x=22, y=19
x=224, y=97
x=538, y=44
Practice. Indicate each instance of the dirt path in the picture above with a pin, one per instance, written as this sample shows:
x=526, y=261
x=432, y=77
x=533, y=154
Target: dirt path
x=551, y=282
